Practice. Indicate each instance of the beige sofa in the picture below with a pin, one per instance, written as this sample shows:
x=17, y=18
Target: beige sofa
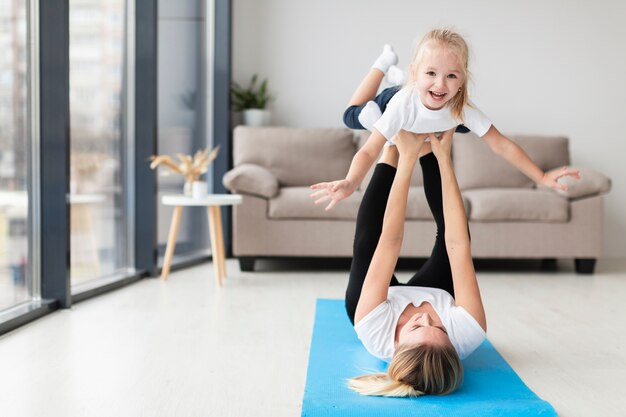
x=508, y=216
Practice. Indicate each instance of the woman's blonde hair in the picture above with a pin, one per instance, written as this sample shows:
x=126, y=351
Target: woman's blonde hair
x=446, y=38
x=415, y=370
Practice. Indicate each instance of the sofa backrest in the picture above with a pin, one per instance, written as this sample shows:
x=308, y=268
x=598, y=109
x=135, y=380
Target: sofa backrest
x=477, y=166
x=297, y=157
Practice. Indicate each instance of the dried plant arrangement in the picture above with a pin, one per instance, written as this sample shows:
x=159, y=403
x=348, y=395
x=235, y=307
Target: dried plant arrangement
x=191, y=168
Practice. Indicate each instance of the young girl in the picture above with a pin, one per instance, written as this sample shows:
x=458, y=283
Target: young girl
x=364, y=116
x=434, y=99
x=424, y=327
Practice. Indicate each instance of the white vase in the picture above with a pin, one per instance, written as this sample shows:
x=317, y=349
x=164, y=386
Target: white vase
x=256, y=117
x=187, y=190
x=199, y=189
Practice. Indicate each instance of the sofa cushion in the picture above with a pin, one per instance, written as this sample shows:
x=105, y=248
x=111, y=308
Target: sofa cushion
x=251, y=179
x=296, y=157
x=295, y=203
x=477, y=166
x=509, y=204
x=591, y=183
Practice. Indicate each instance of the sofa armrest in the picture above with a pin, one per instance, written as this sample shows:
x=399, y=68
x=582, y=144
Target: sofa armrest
x=591, y=183
x=251, y=179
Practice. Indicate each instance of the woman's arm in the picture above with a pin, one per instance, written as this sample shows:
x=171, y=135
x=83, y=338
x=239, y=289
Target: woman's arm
x=467, y=293
x=376, y=283
x=362, y=161
x=516, y=156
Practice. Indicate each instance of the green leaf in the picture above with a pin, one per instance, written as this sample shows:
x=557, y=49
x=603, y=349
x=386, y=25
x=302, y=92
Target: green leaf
x=251, y=97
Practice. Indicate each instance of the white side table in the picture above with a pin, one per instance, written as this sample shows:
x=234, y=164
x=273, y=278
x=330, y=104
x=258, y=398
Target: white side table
x=213, y=202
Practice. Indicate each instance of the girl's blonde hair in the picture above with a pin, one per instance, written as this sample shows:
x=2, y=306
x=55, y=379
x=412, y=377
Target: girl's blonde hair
x=415, y=370
x=446, y=38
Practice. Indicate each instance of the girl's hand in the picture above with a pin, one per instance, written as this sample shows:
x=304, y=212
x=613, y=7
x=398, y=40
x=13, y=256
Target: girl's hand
x=334, y=191
x=441, y=146
x=550, y=178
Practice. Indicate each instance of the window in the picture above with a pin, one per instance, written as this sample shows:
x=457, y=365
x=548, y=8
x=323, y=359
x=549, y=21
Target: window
x=182, y=122
x=98, y=220
x=16, y=280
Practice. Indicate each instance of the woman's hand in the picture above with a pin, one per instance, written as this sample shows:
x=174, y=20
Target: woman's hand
x=335, y=191
x=442, y=146
x=409, y=143
x=550, y=178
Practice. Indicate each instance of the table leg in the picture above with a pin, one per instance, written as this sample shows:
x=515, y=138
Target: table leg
x=215, y=246
x=171, y=241
x=84, y=247
x=220, y=241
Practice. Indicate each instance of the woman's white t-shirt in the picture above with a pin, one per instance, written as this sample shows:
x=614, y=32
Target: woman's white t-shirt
x=377, y=330
x=406, y=111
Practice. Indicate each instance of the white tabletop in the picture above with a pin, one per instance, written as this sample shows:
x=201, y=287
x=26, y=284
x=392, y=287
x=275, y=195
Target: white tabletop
x=20, y=198
x=85, y=198
x=14, y=198
x=209, y=200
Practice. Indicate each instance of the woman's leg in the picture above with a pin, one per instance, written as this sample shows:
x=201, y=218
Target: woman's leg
x=369, y=225
x=436, y=271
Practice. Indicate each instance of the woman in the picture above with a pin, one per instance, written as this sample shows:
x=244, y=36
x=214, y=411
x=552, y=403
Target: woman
x=437, y=318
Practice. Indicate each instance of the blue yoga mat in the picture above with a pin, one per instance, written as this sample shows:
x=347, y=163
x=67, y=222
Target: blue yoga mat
x=490, y=388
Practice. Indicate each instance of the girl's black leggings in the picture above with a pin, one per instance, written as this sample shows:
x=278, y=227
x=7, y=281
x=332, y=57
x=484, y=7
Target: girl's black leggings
x=436, y=271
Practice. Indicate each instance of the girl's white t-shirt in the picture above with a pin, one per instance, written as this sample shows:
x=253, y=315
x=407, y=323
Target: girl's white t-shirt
x=377, y=329
x=406, y=111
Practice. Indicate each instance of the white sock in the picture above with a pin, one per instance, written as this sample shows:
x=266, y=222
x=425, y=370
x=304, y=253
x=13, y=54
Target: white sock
x=369, y=115
x=386, y=59
x=395, y=76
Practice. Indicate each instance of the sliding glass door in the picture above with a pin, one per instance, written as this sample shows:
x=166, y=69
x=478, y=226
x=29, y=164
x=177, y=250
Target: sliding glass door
x=183, y=122
x=98, y=214
x=16, y=283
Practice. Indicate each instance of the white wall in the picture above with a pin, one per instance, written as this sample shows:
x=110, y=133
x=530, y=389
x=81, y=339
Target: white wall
x=548, y=67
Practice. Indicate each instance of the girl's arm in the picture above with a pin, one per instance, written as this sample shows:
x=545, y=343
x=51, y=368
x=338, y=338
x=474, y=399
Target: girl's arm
x=516, y=156
x=365, y=157
x=376, y=283
x=362, y=161
x=467, y=293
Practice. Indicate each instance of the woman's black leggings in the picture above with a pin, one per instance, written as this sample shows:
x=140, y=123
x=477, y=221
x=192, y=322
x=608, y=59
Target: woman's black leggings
x=436, y=271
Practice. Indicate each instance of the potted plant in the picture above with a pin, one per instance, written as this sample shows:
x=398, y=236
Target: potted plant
x=252, y=102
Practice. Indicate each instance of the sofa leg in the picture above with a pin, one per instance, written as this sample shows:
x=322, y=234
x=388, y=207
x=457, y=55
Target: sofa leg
x=549, y=264
x=246, y=264
x=585, y=265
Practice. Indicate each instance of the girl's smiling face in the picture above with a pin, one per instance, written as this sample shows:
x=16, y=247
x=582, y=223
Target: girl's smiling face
x=439, y=76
